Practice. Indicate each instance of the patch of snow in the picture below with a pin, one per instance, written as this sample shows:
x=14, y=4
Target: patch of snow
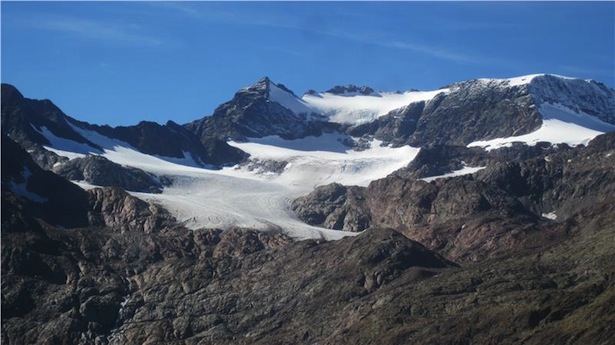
x=559, y=125
x=21, y=189
x=66, y=147
x=288, y=100
x=521, y=80
x=550, y=215
x=460, y=172
x=364, y=108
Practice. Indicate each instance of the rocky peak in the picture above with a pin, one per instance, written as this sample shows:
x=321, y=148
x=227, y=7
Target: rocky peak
x=587, y=96
x=10, y=92
x=262, y=88
x=350, y=90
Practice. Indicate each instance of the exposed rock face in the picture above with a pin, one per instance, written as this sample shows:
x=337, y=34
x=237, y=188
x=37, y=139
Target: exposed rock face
x=472, y=217
x=99, y=171
x=562, y=183
x=350, y=89
x=476, y=110
x=265, y=166
x=587, y=96
x=173, y=140
x=396, y=127
x=251, y=114
x=334, y=207
x=485, y=109
x=114, y=208
x=96, y=286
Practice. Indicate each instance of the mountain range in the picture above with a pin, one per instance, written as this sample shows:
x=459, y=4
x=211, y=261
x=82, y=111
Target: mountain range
x=480, y=212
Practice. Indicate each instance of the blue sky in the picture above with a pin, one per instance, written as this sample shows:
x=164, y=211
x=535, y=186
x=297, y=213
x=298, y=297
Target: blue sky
x=121, y=62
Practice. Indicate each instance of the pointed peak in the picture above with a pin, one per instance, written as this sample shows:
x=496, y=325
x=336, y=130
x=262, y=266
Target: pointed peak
x=264, y=80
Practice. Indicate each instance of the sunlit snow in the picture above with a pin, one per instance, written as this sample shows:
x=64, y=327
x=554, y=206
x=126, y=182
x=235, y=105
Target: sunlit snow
x=559, y=125
x=460, y=172
x=21, y=189
x=288, y=100
x=359, y=109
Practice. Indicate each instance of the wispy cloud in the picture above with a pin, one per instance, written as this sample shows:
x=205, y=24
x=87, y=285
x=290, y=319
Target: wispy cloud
x=106, y=31
x=273, y=19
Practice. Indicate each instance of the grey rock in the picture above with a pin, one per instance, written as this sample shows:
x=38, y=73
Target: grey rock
x=99, y=171
x=251, y=114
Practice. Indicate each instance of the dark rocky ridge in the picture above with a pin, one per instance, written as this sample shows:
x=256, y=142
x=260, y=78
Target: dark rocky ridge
x=23, y=119
x=471, y=111
x=251, y=114
x=470, y=217
x=487, y=109
x=100, y=171
x=350, y=89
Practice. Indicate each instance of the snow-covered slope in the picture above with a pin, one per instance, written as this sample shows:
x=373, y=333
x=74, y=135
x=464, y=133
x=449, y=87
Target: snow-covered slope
x=573, y=111
x=358, y=108
x=288, y=100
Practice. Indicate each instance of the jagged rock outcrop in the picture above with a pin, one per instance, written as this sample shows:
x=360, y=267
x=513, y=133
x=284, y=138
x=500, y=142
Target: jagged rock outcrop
x=469, y=217
x=175, y=141
x=350, y=89
x=254, y=113
x=334, y=206
x=396, y=127
x=562, y=183
x=99, y=171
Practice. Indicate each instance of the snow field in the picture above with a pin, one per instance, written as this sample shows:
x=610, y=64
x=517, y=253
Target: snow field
x=559, y=125
x=358, y=109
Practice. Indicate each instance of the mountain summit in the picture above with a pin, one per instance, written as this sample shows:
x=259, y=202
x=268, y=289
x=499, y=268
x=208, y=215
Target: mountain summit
x=262, y=109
